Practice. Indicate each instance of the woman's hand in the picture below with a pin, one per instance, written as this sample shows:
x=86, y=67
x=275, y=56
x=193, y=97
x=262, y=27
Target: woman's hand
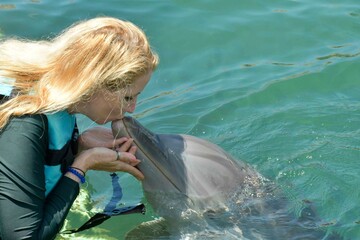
x=100, y=151
x=98, y=137
x=104, y=159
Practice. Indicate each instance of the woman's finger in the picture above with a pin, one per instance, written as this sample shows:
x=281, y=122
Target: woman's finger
x=127, y=157
x=126, y=145
x=133, y=150
x=133, y=171
x=119, y=141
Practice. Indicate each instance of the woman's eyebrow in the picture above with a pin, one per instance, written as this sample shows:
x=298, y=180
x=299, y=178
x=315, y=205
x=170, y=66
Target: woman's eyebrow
x=134, y=95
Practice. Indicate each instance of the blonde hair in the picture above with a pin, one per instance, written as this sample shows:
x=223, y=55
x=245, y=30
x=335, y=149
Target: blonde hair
x=100, y=53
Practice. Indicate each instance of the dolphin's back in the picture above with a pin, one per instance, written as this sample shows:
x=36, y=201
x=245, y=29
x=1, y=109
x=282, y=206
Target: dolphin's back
x=210, y=170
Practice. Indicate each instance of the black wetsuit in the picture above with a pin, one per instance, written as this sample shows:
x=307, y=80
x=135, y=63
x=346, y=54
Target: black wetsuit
x=27, y=211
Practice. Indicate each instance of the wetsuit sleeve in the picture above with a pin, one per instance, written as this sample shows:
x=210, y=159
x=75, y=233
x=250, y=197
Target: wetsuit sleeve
x=25, y=213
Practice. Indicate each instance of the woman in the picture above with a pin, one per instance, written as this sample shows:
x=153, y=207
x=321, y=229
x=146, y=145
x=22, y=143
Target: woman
x=96, y=68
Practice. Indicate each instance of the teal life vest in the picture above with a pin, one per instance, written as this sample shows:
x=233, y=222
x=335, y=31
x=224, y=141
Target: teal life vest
x=62, y=135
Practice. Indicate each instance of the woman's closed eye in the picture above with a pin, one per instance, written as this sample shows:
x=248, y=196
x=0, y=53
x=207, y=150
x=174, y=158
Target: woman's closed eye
x=131, y=98
x=128, y=98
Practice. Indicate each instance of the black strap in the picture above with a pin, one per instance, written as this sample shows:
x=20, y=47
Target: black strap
x=99, y=218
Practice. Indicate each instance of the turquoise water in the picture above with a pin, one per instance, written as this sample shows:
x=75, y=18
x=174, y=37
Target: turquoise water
x=275, y=83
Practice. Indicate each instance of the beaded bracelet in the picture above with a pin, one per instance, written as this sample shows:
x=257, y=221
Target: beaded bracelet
x=76, y=173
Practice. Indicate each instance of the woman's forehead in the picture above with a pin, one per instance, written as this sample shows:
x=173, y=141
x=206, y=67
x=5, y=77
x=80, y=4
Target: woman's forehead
x=138, y=85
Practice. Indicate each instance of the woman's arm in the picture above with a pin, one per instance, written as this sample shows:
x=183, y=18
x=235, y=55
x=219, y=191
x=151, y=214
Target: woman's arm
x=25, y=213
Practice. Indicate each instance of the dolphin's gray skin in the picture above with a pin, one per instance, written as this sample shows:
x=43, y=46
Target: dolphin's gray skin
x=192, y=179
x=185, y=166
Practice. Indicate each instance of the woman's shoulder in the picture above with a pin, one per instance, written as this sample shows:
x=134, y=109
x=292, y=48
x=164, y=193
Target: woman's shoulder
x=27, y=132
x=31, y=119
x=25, y=123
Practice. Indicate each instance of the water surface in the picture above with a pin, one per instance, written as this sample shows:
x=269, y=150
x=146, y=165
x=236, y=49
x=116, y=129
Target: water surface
x=275, y=83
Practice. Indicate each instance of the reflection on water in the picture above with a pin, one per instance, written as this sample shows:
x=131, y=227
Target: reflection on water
x=7, y=6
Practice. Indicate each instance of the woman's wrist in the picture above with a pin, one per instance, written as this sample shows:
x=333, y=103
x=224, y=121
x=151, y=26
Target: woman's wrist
x=78, y=169
x=81, y=162
x=76, y=172
x=72, y=176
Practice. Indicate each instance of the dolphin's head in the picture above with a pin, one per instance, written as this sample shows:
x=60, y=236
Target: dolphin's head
x=160, y=156
x=183, y=167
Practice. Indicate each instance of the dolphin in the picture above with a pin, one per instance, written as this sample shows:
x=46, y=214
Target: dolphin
x=186, y=167
x=193, y=181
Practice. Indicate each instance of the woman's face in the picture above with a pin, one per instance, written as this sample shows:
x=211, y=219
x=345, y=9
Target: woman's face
x=105, y=106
